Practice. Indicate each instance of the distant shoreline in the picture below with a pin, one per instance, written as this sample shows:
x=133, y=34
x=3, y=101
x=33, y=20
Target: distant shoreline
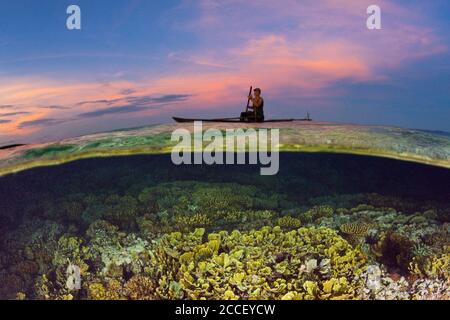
x=11, y=146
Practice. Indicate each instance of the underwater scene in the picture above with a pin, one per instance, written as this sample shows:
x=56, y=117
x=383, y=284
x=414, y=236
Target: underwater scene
x=327, y=226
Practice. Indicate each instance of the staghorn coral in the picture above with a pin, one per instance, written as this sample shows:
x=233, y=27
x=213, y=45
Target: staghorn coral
x=190, y=222
x=231, y=216
x=215, y=198
x=421, y=250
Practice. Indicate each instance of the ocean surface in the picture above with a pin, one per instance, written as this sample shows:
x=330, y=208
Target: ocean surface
x=106, y=215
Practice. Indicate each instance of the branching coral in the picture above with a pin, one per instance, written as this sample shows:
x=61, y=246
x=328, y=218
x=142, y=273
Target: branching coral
x=190, y=222
x=435, y=266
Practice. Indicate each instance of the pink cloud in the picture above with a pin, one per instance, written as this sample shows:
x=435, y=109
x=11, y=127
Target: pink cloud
x=319, y=44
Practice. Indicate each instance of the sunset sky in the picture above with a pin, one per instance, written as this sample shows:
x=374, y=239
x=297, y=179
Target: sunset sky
x=140, y=62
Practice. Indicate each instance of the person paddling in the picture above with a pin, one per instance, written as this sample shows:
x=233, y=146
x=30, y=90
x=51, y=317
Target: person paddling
x=257, y=107
x=255, y=115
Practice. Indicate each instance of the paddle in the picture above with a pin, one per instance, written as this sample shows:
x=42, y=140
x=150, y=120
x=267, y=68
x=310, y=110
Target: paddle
x=248, y=102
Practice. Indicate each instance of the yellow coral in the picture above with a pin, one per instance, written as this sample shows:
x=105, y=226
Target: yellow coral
x=432, y=266
x=140, y=288
x=289, y=222
x=97, y=291
x=112, y=291
x=188, y=222
x=355, y=233
x=21, y=296
x=258, y=264
x=357, y=229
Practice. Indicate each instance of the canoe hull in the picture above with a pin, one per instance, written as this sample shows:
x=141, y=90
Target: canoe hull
x=233, y=120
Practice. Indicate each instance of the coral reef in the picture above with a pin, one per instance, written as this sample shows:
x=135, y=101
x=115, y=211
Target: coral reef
x=288, y=222
x=192, y=221
x=266, y=264
x=204, y=240
x=355, y=232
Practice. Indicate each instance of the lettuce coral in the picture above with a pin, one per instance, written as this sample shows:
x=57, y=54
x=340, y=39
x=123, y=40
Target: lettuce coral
x=260, y=264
